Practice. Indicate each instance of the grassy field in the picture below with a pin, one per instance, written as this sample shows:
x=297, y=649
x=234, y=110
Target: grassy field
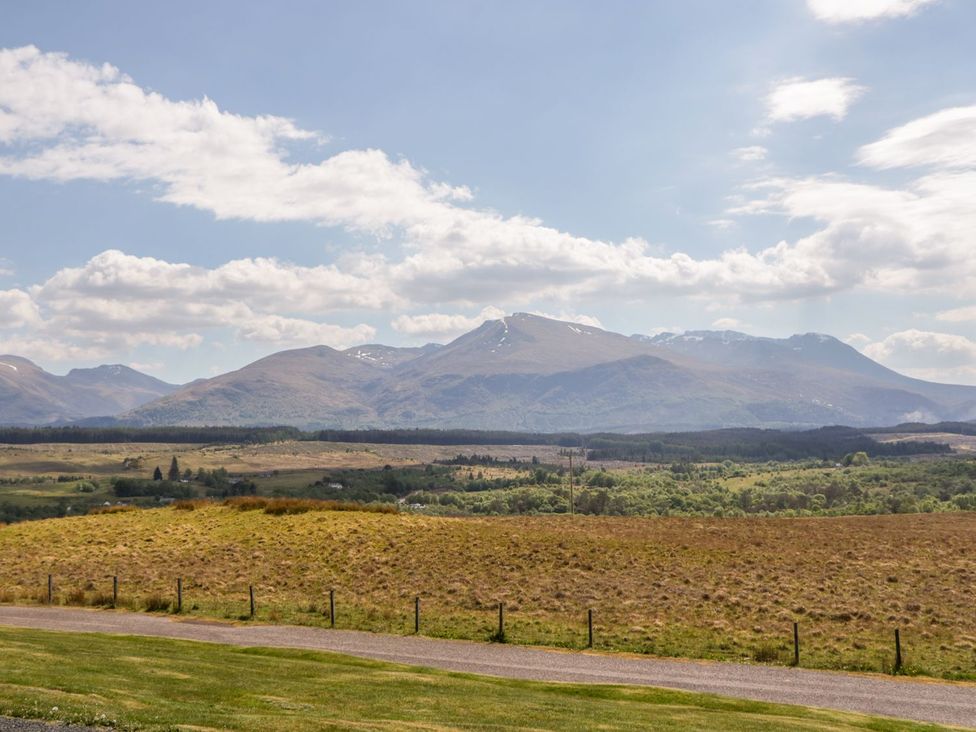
x=143, y=683
x=712, y=588
x=107, y=459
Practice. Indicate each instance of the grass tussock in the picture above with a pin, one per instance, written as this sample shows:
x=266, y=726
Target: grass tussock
x=156, y=604
x=112, y=509
x=293, y=506
x=191, y=504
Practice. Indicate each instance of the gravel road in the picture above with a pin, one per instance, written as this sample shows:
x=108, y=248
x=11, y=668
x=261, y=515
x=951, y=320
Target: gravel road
x=922, y=700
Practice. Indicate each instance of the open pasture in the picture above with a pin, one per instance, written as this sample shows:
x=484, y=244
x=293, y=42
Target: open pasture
x=103, y=459
x=712, y=588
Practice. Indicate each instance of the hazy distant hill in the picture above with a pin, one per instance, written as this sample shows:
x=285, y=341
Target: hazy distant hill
x=530, y=373
x=31, y=395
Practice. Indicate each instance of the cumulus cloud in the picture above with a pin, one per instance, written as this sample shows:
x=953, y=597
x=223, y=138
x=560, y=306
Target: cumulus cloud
x=917, y=237
x=570, y=317
x=857, y=339
x=443, y=325
x=728, y=324
x=65, y=119
x=751, y=153
x=117, y=301
x=928, y=355
x=854, y=11
x=17, y=309
x=62, y=119
x=798, y=98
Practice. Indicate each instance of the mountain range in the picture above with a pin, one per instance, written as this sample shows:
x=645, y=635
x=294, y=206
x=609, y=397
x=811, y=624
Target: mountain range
x=29, y=395
x=523, y=372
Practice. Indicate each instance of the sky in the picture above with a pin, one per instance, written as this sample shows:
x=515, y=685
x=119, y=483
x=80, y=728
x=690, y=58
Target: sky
x=187, y=187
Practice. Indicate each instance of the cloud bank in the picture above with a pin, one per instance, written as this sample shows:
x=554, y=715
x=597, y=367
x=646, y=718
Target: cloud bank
x=63, y=119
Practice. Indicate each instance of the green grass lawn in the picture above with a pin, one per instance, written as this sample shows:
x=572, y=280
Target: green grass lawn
x=143, y=683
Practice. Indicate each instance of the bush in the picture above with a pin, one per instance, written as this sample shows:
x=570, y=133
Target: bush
x=112, y=509
x=291, y=506
x=191, y=504
x=766, y=654
x=157, y=604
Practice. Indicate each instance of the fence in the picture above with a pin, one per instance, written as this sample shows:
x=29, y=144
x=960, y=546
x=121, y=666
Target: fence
x=154, y=603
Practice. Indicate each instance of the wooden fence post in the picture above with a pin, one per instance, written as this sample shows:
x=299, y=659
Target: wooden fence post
x=416, y=615
x=796, y=643
x=332, y=607
x=115, y=590
x=179, y=594
x=50, y=589
x=589, y=628
x=250, y=590
x=501, y=622
x=897, y=650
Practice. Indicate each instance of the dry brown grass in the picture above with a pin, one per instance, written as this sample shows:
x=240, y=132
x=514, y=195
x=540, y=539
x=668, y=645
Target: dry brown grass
x=721, y=588
x=124, y=508
x=191, y=504
x=292, y=506
x=105, y=459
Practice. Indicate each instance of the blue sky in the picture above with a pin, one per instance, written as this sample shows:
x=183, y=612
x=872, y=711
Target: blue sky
x=188, y=188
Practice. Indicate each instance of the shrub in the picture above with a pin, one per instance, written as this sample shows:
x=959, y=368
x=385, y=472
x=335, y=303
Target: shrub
x=112, y=509
x=190, y=504
x=291, y=506
x=101, y=599
x=247, y=503
x=766, y=654
x=75, y=597
x=157, y=604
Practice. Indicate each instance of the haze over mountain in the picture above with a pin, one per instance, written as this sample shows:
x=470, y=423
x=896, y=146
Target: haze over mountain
x=30, y=395
x=522, y=372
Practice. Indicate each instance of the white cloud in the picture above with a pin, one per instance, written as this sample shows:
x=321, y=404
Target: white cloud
x=722, y=224
x=728, y=324
x=442, y=325
x=750, y=154
x=570, y=317
x=853, y=11
x=117, y=301
x=928, y=355
x=297, y=332
x=958, y=315
x=903, y=348
x=63, y=119
x=857, y=339
x=797, y=98
x=946, y=139
x=917, y=237
x=17, y=309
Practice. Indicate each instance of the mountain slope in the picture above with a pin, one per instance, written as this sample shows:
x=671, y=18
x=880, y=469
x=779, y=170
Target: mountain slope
x=304, y=387
x=526, y=372
x=31, y=395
